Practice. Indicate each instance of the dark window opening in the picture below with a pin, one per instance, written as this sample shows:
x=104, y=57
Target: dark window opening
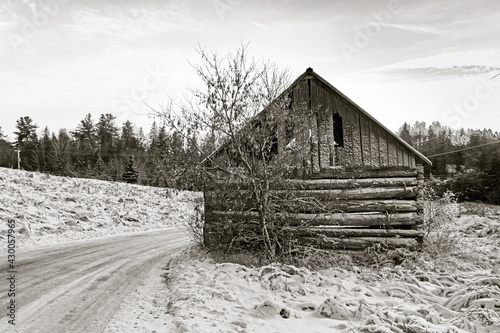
x=338, y=132
x=271, y=144
x=274, y=146
x=290, y=100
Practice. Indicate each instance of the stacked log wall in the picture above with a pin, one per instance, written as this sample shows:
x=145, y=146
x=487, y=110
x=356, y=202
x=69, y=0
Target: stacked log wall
x=354, y=208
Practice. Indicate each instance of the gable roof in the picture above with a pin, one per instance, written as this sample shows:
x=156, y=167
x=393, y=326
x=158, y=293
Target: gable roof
x=309, y=72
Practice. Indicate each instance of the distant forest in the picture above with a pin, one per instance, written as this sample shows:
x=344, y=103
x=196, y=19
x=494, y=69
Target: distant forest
x=99, y=148
x=465, y=161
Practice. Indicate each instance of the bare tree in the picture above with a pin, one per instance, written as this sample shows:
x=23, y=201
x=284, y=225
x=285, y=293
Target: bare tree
x=227, y=112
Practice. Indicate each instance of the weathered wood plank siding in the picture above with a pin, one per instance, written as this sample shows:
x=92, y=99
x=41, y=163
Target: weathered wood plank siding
x=365, y=142
x=384, y=152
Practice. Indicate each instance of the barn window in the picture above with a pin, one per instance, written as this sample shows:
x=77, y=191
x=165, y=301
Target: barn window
x=338, y=132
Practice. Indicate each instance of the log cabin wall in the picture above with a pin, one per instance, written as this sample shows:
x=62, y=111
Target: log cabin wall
x=357, y=209
x=357, y=182
x=365, y=143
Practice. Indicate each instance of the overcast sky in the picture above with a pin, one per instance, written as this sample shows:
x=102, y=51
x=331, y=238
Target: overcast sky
x=400, y=60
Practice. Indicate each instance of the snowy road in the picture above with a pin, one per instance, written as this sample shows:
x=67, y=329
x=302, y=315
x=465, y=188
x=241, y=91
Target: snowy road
x=78, y=286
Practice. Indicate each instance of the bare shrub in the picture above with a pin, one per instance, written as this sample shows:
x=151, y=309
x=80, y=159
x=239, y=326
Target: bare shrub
x=439, y=214
x=438, y=211
x=193, y=225
x=226, y=112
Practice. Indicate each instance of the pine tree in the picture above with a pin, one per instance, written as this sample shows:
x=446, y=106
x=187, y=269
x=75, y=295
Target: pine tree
x=86, y=135
x=107, y=134
x=404, y=133
x=141, y=139
x=27, y=142
x=131, y=175
x=46, y=151
x=7, y=157
x=153, y=135
x=151, y=160
x=128, y=140
x=86, y=145
x=61, y=145
x=162, y=141
x=493, y=177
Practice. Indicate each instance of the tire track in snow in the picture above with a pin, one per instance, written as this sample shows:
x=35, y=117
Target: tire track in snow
x=77, y=287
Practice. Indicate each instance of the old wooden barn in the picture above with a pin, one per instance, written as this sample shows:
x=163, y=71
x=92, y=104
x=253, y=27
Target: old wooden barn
x=355, y=181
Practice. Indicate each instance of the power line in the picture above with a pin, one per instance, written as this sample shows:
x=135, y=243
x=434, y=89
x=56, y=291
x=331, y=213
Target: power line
x=459, y=150
x=494, y=76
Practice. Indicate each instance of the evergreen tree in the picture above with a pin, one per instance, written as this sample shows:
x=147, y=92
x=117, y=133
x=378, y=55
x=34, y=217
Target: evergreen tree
x=107, y=134
x=404, y=133
x=153, y=135
x=7, y=153
x=86, y=132
x=493, y=178
x=128, y=139
x=141, y=140
x=150, y=166
x=46, y=151
x=162, y=142
x=131, y=175
x=86, y=145
x=61, y=145
x=27, y=142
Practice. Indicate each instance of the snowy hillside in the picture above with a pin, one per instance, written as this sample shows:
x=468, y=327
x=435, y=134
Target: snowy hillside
x=51, y=209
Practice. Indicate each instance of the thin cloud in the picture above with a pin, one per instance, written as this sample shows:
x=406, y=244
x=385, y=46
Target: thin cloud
x=258, y=25
x=413, y=28
x=438, y=72
x=133, y=22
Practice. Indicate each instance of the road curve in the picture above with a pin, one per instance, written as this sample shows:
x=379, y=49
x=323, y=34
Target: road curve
x=78, y=286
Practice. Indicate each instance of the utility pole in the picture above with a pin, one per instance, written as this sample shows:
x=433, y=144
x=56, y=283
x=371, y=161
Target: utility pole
x=18, y=159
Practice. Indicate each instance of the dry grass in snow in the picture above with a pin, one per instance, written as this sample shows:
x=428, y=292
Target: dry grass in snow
x=51, y=209
x=453, y=286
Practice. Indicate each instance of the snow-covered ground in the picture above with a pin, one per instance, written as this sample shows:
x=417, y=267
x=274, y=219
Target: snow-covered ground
x=454, y=287
x=457, y=290
x=51, y=209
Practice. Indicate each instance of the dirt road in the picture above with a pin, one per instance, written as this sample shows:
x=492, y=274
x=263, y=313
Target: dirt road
x=78, y=286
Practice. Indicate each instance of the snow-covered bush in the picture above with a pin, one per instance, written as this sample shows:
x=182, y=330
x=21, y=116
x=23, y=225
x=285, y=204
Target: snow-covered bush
x=438, y=210
x=439, y=214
